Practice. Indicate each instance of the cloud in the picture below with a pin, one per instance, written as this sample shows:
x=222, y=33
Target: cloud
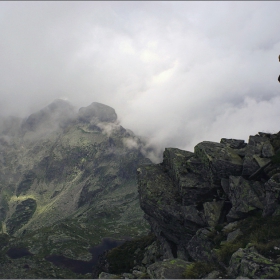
x=173, y=71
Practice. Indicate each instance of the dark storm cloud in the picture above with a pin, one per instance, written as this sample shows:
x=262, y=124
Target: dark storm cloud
x=176, y=72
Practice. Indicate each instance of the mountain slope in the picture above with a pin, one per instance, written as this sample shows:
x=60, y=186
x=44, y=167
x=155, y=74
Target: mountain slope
x=64, y=171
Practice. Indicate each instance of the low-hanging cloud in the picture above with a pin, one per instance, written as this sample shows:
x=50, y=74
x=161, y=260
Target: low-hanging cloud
x=175, y=73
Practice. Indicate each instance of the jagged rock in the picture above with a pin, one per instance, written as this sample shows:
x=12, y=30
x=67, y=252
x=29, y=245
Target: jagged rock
x=272, y=196
x=175, y=161
x=200, y=246
x=253, y=153
x=233, y=143
x=219, y=161
x=245, y=196
x=248, y=263
x=213, y=211
x=261, y=161
x=233, y=235
x=168, y=269
x=98, y=111
x=267, y=150
x=159, y=197
x=194, y=190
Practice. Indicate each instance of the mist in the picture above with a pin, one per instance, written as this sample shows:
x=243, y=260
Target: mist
x=177, y=73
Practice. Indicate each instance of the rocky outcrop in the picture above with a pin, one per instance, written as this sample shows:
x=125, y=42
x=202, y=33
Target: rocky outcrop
x=248, y=263
x=190, y=197
x=97, y=111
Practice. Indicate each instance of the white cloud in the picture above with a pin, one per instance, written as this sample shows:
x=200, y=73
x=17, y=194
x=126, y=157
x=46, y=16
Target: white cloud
x=173, y=71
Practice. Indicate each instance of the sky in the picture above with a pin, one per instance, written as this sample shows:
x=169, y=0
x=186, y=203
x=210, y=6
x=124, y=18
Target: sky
x=177, y=73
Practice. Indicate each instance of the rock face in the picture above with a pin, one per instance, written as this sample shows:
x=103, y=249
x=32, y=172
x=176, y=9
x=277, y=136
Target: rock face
x=189, y=197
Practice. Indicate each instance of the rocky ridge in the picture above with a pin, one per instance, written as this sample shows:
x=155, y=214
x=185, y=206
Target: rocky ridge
x=214, y=213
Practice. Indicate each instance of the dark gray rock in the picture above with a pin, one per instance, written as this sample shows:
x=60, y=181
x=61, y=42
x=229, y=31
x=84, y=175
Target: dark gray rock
x=245, y=196
x=233, y=143
x=161, y=201
x=213, y=212
x=195, y=190
x=248, y=263
x=267, y=150
x=175, y=161
x=219, y=161
x=272, y=196
x=200, y=246
x=233, y=235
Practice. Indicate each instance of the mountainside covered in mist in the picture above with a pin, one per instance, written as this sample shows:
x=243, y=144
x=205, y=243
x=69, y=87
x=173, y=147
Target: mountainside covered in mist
x=67, y=180
x=214, y=213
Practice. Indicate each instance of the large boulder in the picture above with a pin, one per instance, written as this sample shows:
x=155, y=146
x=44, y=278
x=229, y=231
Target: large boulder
x=245, y=196
x=272, y=196
x=97, y=112
x=257, y=152
x=213, y=212
x=200, y=246
x=162, y=203
x=248, y=263
x=219, y=161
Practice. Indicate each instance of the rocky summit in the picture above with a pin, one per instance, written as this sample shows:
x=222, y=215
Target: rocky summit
x=67, y=181
x=213, y=213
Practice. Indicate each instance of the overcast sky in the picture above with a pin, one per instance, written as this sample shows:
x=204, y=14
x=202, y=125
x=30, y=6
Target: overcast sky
x=176, y=72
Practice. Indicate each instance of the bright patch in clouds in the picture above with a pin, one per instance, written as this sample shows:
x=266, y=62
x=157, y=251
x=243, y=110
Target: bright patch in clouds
x=175, y=72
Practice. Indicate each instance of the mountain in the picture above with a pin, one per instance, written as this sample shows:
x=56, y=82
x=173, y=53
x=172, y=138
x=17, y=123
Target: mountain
x=67, y=181
x=213, y=213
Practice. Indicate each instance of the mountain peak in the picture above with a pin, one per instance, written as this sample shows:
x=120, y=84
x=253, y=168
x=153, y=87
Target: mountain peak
x=97, y=111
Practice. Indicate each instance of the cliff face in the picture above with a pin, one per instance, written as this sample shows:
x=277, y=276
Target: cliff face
x=206, y=206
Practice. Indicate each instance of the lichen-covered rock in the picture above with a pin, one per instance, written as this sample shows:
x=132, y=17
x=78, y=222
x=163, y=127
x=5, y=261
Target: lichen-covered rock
x=97, y=111
x=272, y=195
x=213, y=212
x=160, y=200
x=175, y=161
x=200, y=246
x=151, y=254
x=245, y=196
x=168, y=269
x=219, y=161
x=233, y=143
x=248, y=263
x=194, y=190
x=253, y=154
x=267, y=150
